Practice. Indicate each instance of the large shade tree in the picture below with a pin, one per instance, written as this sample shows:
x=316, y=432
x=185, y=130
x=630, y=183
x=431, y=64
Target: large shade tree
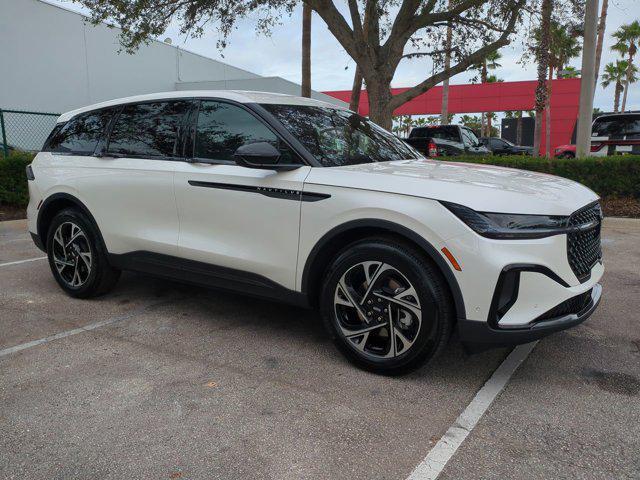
x=396, y=30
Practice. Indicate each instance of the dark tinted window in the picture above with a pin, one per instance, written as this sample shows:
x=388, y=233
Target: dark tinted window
x=498, y=143
x=468, y=137
x=633, y=126
x=149, y=130
x=339, y=137
x=612, y=127
x=223, y=127
x=444, y=132
x=80, y=135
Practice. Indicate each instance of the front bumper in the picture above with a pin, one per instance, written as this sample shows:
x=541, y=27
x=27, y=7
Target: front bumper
x=477, y=336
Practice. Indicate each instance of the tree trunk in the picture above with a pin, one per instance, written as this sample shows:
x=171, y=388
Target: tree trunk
x=547, y=135
x=306, y=51
x=379, y=91
x=444, y=114
x=519, y=130
x=483, y=79
x=543, y=64
x=632, y=52
x=601, y=27
x=354, y=103
x=616, y=97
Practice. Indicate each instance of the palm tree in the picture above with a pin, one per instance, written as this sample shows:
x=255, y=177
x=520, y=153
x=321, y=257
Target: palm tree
x=444, y=113
x=490, y=115
x=490, y=62
x=518, y=114
x=616, y=74
x=627, y=38
x=601, y=27
x=564, y=47
x=543, y=45
x=306, y=50
x=569, y=72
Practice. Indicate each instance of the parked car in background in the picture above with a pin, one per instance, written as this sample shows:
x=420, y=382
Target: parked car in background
x=446, y=140
x=613, y=134
x=302, y=201
x=565, y=151
x=616, y=134
x=500, y=146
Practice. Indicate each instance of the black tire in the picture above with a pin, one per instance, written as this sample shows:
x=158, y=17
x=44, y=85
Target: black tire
x=567, y=155
x=97, y=276
x=437, y=315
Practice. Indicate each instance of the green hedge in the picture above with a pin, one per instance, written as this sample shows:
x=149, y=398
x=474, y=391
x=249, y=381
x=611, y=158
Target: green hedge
x=13, y=178
x=607, y=176
x=617, y=176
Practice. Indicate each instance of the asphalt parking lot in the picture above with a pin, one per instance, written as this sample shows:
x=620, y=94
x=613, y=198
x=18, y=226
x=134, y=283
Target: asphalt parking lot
x=161, y=380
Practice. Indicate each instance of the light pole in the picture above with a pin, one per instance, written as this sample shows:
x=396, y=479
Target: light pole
x=587, y=87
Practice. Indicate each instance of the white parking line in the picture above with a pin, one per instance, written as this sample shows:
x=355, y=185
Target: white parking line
x=86, y=328
x=21, y=261
x=441, y=453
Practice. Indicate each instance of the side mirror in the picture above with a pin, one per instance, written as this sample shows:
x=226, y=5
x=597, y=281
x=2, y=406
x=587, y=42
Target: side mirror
x=260, y=155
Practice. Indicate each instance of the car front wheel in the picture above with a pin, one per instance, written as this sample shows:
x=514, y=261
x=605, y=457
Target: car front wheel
x=386, y=306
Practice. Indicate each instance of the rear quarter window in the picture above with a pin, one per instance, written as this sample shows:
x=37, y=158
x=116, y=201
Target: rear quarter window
x=80, y=135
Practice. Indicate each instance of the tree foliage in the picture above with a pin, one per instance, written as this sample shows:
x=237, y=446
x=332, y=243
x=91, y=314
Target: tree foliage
x=396, y=31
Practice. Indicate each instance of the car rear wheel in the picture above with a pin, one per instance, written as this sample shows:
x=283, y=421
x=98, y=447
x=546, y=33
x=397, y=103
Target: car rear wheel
x=77, y=258
x=386, y=306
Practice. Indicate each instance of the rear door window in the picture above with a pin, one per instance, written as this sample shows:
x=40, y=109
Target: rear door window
x=149, y=130
x=80, y=135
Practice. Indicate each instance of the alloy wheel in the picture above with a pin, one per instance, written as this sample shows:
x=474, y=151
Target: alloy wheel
x=377, y=309
x=72, y=255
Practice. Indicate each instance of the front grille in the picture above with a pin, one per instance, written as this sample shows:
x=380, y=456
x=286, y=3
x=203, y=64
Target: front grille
x=583, y=248
x=573, y=305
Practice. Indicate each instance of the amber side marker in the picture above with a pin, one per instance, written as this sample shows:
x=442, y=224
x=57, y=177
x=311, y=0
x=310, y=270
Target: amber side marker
x=451, y=259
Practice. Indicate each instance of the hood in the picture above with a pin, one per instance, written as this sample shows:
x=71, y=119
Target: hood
x=484, y=188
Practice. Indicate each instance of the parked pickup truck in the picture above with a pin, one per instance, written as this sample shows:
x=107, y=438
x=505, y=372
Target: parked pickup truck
x=446, y=140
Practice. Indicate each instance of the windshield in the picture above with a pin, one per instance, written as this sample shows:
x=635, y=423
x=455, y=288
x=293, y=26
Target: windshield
x=340, y=137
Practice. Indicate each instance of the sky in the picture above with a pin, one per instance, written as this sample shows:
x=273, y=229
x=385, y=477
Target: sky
x=332, y=68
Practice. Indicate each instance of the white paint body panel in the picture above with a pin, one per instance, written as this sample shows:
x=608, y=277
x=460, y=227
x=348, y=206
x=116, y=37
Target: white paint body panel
x=235, y=229
x=485, y=188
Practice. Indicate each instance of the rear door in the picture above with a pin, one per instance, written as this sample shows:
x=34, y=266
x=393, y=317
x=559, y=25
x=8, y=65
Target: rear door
x=238, y=218
x=129, y=186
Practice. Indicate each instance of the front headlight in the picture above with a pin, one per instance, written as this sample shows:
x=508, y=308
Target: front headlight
x=509, y=225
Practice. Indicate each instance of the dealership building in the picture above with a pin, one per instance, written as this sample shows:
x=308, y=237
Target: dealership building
x=55, y=60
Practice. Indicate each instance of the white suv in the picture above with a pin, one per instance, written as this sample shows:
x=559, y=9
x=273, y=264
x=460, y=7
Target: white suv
x=302, y=201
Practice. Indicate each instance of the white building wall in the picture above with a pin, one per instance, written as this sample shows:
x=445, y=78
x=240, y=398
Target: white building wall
x=55, y=60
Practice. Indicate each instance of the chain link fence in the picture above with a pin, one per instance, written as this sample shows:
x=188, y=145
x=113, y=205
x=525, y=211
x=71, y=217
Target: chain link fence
x=22, y=130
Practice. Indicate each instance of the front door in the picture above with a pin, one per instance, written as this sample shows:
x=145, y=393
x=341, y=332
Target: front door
x=244, y=219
